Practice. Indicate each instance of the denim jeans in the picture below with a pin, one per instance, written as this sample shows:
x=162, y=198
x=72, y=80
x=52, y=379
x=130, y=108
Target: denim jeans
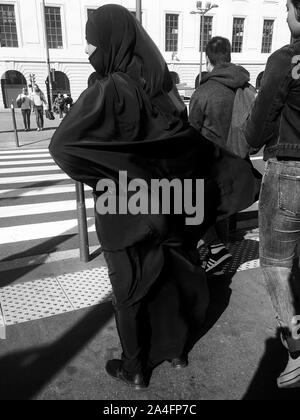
x=279, y=224
x=26, y=118
x=39, y=114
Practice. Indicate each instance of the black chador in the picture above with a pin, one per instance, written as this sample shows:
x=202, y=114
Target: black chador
x=132, y=119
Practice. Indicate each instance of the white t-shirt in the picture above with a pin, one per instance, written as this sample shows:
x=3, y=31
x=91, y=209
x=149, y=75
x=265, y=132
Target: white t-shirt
x=38, y=98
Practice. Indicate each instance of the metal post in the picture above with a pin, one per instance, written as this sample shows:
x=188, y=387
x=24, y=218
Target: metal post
x=15, y=124
x=201, y=44
x=82, y=223
x=47, y=58
x=139, y=10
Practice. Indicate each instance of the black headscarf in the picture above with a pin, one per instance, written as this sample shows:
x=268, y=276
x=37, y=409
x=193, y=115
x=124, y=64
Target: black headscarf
x=123, y=46
x=132, y=110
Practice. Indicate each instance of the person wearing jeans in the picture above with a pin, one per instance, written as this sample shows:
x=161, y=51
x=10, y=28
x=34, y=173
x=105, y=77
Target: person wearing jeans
x=275, y=124
x=26, y=104
x=38, y=100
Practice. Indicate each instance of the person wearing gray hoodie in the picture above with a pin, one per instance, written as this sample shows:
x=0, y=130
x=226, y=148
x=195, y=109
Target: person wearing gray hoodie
x=210, y=113
x=212, y=103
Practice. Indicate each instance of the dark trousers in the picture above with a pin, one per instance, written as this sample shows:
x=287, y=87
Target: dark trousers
x=26, y=118
x=154, y=321
x=39, y=114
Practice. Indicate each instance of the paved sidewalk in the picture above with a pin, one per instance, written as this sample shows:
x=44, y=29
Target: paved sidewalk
x=63, y=357
x=31, y=139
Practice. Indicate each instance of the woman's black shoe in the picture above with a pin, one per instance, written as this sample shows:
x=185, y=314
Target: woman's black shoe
x=135, y=380
x=179, y=363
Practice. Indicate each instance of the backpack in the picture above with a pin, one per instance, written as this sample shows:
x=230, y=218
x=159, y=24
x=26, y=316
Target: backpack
x=243, y=103
x=49, y=115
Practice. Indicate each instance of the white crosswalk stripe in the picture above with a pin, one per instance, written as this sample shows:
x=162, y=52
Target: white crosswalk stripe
x=31, y=192
x=19, y=152
x=38, y=208
x=28, y=162
x=28, y=169
x=34, y=178
x=23, y=156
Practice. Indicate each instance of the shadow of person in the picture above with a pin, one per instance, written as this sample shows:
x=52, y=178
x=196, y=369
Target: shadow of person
x=264, y=384
x=25, y=373
x=220, y=294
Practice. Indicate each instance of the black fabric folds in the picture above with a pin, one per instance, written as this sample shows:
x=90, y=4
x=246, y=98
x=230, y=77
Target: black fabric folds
x=132, y=119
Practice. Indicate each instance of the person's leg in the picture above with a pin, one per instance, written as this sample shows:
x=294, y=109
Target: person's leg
x=24, y=119
x=28, y=113
x=279, y=223
x=128, y=326
x=42, y=117
x=37, y=117
x=122, y=272
x=217, y=255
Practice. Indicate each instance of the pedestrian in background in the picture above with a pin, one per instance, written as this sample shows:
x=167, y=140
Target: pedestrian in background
x=38, y=99
x=275, y=124
x=68, y=102
x=59, y=105
x=210, y=113
x=24, y=102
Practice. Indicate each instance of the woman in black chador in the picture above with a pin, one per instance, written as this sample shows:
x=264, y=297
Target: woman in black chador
x=132, y=119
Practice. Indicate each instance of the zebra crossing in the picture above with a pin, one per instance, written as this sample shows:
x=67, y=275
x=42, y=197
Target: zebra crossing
x=38, y=208
x=38, y=225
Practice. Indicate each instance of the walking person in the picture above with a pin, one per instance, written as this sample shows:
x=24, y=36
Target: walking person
x=210, y=113
x=59, y=105
x=68, y=102
x=38, y=99
x=26, y=104
x=132, y=119
x=275, y=124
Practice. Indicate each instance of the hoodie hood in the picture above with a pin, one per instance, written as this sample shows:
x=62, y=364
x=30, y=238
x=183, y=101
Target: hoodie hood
x=228, y=74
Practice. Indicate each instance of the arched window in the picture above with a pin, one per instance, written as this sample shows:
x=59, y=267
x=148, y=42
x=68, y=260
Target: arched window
x=60, y=83
x=12, y=83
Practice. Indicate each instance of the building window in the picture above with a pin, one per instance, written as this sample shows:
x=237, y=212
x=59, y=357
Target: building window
x=267, y=36
x=172, y=32
x=238, y=34
x=8, y=27
x=208, y=21
x=53, y=26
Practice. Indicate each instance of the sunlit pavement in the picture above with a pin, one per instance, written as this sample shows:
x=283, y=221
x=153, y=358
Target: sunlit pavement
x=63, y=356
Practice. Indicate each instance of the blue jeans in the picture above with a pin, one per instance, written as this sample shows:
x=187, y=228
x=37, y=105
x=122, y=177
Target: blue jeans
x=279, y=224
x=39, y=114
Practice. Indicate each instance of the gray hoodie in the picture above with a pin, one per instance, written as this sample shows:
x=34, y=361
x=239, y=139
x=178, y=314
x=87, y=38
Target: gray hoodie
x=212, y=103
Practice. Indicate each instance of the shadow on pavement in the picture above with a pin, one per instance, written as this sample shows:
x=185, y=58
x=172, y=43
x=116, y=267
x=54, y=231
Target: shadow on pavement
x=220, y=294
x=31, y=130
x=25, y=373
x=264, y=385
x=47, y=247
x=41, y=184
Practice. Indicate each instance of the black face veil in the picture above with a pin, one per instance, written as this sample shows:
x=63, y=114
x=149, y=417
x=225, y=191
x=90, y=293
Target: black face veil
x=124, y=46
